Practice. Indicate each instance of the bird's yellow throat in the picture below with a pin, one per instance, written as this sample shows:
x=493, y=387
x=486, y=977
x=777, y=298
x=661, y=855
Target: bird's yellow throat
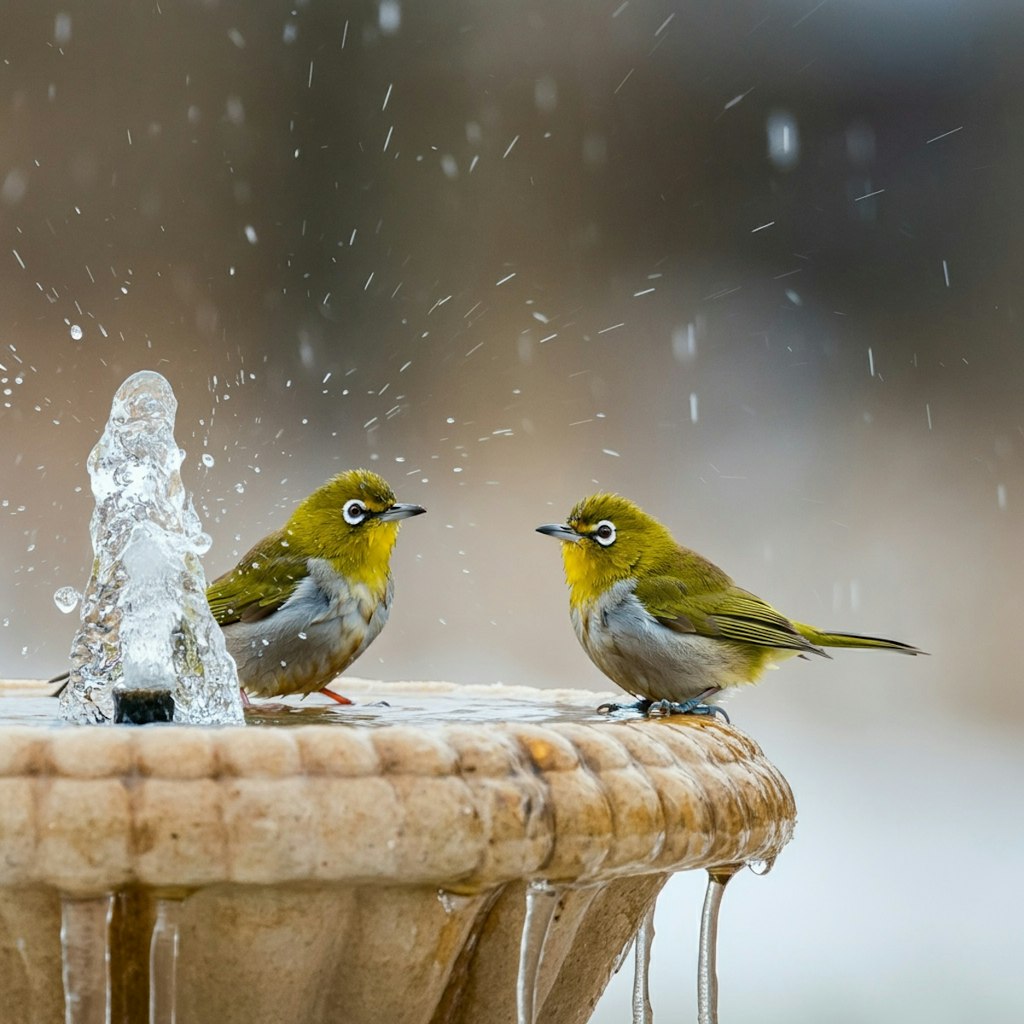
x=587, y=577
x=370, y=562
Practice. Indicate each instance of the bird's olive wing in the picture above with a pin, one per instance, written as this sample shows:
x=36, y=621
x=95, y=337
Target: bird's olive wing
x=726, y=614
x=665, y=598
x=261, y=582
x=743, y=617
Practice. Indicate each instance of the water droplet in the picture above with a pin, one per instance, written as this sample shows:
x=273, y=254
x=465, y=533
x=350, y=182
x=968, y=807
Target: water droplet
x=62, y=28
x=453, y=901
x=389, y=16
x=66, y=599
x=783, y=140
x=76, y=333
x=207, y=460
x=684, y=342
x=761, y=867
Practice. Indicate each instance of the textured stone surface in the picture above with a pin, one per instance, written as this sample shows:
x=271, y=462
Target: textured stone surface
x=310, y=858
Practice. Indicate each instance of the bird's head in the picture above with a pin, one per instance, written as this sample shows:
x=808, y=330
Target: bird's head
x=352, y=521
x=607, y=539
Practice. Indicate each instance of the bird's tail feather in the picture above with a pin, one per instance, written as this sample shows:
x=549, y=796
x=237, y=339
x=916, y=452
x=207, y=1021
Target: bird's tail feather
x=823, y=639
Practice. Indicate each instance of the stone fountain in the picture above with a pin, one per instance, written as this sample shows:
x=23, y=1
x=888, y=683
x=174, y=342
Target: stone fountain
x=463, y=855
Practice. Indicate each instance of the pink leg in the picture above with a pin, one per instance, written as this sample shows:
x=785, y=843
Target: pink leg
x=335, y=696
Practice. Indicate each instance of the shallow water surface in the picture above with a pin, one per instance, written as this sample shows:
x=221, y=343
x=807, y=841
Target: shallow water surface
x=375, y=705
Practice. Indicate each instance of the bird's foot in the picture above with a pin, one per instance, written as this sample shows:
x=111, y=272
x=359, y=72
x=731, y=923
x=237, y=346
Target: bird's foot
x=694, y=706
x=336, y=696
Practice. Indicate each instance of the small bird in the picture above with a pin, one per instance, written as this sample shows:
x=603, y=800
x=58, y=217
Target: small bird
x=308, y=599
x=666, y=624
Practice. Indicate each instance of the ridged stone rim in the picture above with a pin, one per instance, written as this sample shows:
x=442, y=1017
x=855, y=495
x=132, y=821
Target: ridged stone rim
x=461, y=806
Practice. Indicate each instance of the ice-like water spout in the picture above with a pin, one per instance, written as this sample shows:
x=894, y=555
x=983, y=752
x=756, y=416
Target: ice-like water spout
x=146, y=626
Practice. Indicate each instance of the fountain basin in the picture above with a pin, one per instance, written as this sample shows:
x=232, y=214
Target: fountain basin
x=331, y=872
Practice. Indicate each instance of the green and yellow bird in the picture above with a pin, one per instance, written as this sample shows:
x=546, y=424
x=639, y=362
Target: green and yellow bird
x=308, y=599
x=666, y=624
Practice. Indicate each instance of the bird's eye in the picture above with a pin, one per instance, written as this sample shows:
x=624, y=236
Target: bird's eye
x=605, y=533
x=354, y=512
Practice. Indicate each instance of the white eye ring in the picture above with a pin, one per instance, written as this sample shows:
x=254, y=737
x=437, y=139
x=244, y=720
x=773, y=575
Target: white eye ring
x=353, y=511
x=604, y=533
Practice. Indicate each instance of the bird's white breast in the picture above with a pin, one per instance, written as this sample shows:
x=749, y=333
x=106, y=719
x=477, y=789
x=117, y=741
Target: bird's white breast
x=318, y=632
x=647, y=658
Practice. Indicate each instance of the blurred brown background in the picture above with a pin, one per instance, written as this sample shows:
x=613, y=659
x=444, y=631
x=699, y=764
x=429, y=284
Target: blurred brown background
x=755, y=264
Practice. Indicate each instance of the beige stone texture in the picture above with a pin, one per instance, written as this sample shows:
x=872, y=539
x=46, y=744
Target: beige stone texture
x=308, y=861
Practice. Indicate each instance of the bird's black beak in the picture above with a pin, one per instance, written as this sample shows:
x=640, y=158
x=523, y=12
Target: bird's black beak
x=399, y=511
x=561, y=531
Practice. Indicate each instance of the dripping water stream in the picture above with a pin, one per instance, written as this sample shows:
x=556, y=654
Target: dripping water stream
x=707, y=956
x=163, y=962
x=85, y=959
x=541, y=900
x=642, y=1011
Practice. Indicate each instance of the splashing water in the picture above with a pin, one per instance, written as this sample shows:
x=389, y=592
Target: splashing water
x=66, y=599
x=145, y=621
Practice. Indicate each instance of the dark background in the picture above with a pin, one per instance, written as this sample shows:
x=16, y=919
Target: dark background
x=307, y=217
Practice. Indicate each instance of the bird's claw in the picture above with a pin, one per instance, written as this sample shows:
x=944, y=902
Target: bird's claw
x=662, y=708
